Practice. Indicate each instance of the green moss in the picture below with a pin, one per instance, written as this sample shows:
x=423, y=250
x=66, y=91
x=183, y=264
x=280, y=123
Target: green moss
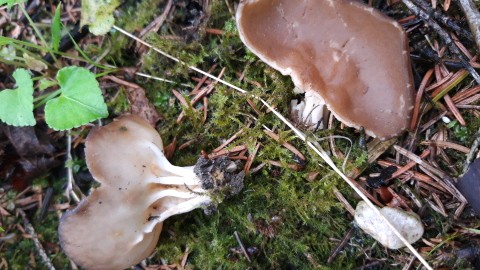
x=132, y=16
x=16, y=254
x=119, y=103
x=277, y=216
x=288, y=220
x=279, y=212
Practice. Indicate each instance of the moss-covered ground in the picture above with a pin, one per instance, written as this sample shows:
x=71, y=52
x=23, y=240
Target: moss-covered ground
x=285, y=218
x=286, y=221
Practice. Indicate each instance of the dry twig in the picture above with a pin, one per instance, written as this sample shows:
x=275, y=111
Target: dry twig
x=155, y=25
x=340, y=246
x=285, y=144
x=444, y=35
x=69, y=192
x=473, y=18
x=437, y=174
x=242, y=247
x=250, y=159
x=344, y=201
x=446, y=144
x=38, y=246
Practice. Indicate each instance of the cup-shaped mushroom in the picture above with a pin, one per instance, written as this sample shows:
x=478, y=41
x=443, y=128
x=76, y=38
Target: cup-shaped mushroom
x=102, y=234
x=119, y=223
x=346, y=54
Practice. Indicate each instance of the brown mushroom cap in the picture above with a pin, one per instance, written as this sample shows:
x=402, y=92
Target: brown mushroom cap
x=353, y=56
x=92, y=234
x=119, y=223
x=95, y=239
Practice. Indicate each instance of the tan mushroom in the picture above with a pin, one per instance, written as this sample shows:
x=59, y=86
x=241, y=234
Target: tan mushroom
x=119, y=223
x=341, y=53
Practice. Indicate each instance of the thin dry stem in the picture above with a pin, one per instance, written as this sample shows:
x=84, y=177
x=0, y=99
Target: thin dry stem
x=418, y=99
x=344, y=201
x=446, y=144
x=285, y=144
x=473, y=18
x=250, y=159
x=242, y=247
x=38, y=246
x=454, y=110
x=69, y=192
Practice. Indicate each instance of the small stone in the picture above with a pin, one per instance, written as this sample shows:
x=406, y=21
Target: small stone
x=446, y=120
x=407, y=223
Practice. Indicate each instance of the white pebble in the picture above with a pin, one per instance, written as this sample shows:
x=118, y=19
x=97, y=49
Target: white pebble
x=446, y=120
x=407, y=223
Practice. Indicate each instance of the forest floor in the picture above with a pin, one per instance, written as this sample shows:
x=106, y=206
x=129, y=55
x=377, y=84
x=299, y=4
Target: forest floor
x=294, y=211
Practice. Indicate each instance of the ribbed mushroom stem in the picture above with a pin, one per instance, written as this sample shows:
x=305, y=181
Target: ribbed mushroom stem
x=195, y=202
x=167, y=167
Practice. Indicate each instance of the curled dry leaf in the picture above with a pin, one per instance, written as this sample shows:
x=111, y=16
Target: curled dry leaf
x=139, y=103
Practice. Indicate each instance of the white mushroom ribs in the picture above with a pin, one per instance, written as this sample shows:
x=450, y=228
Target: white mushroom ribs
x=310, y=112
x=119, y=223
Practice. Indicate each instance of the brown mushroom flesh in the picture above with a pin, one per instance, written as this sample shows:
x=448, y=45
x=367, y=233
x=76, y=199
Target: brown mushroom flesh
x=350, y=55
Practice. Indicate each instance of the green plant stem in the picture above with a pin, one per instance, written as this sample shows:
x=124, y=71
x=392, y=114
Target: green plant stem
x=18, y=43
x=42, y=39
x=20, y=48
x=98, y=75
x=13, y=57
x=39, y=78
x=12, y=63
x=7, y=40
x=84, y=55
x=445, y=241
x=45, y=98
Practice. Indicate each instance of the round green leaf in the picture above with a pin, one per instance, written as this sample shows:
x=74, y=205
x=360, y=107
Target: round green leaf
x=16, y=105
x=80, y=101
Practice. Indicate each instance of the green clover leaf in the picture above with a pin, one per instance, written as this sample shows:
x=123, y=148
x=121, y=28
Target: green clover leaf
x=80, y=101
x=16, y=105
